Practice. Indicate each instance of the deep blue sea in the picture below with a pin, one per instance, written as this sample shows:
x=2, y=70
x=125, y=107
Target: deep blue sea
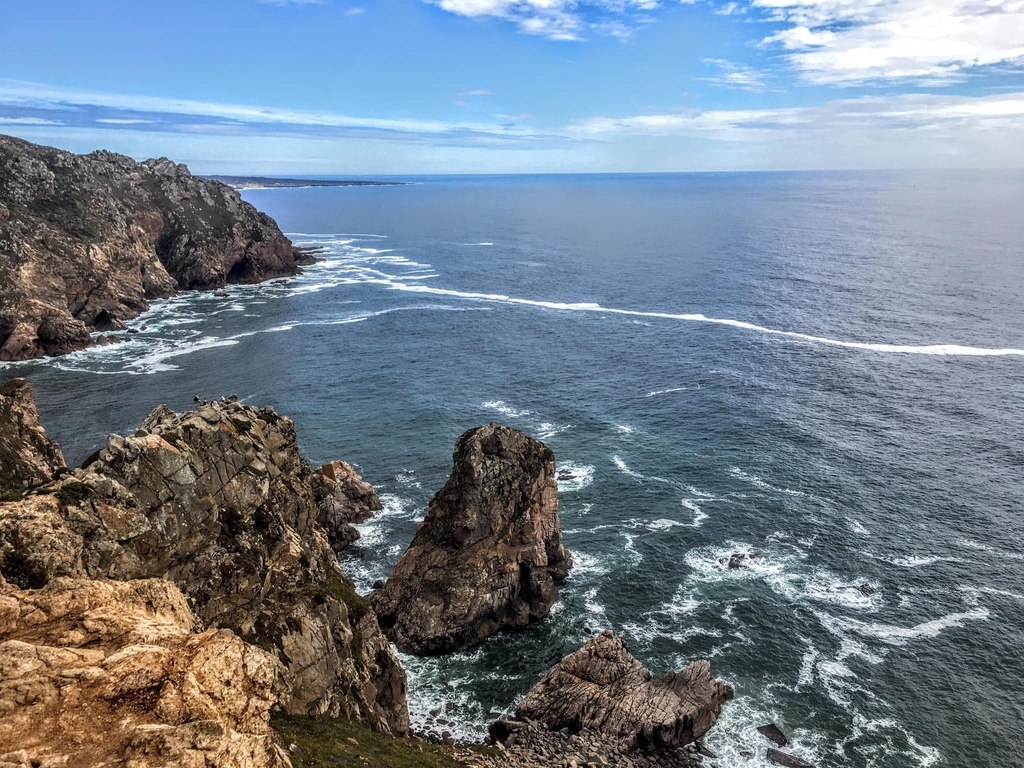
x=825, y=369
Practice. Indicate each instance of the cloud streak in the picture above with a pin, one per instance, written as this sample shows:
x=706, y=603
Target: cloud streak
x=23, y=101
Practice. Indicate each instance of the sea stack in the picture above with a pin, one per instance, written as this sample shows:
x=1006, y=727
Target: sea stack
x=489, y=553
x=28, y=458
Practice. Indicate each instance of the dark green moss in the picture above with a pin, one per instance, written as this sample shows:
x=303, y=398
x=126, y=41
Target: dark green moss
x=344, y=591
x=324, y=742
x=73, y=493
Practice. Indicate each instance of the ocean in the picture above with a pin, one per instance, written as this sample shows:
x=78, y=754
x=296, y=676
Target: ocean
x=824, y=369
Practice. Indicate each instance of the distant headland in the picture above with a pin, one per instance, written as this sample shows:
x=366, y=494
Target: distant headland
x=267, y=182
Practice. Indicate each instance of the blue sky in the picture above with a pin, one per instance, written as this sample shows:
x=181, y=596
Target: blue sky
x=490, y=86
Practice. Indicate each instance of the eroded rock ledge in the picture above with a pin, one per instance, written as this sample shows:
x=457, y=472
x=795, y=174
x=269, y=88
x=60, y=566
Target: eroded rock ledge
x=488, y=554
x=87, y=240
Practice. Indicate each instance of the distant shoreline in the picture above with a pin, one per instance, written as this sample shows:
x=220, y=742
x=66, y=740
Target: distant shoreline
x=267, y=182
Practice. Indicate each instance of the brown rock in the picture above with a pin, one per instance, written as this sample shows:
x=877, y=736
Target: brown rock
x=602, y=688
x=488, y=554
x=96, y=673
x=28, y=457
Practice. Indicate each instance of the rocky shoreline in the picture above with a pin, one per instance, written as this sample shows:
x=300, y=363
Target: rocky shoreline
x=161, y=602
x=86, y=241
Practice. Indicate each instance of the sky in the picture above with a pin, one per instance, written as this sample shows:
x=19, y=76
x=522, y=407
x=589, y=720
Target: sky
x=381, y=87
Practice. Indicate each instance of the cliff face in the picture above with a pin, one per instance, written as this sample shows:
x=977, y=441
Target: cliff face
x=220, y=502
x=489, y=552
x=86, y=240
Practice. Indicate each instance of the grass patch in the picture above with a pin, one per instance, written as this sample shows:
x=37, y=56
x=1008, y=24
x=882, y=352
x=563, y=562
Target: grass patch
x=325, y=743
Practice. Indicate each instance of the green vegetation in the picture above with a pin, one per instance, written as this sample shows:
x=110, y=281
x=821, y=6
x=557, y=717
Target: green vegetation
x=326, y=742
x=72, y=493
x=344, y=591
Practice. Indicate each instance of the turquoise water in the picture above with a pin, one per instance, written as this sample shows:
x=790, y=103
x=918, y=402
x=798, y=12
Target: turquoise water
x=825, y=369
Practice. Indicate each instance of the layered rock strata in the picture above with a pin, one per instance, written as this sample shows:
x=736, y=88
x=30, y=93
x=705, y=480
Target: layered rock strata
x=113, y=673
x=488, y=554
x=602, y=689
x=220, y=502
x=87, y=240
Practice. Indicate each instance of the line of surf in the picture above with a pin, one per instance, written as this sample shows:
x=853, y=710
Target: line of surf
x=957, y=350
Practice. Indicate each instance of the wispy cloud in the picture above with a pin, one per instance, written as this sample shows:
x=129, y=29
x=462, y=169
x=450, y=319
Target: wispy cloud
x=957, y=115
x=566, y=20
x=33, y=101
x=476, y=92
x=355, y=10
x=735, y=76
x=852, y=42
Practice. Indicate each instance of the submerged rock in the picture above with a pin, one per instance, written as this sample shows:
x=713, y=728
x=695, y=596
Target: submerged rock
x=113, y=673
x=28, y=458
x=488, y=554
x=604, y=689
x=220, y=502
x=773, y=733
x=789, y=761
x=87, y=240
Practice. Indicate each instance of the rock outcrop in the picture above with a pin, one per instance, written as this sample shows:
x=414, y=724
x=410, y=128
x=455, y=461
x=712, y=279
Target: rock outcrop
x=220, y=502
x=27, y=456
x=87, y=240
x=603, y=689
x=343, y=499
x=112, y=673
x=488, y=554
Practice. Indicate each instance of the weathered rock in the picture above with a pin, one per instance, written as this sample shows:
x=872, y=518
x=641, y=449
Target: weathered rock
x=773, y=733
x=790, y=761
x=602, y=688
x=220, y=502
x=343, y=499
x=87, y=240
x=96, y=673
x=28, y=457
x=489, y=552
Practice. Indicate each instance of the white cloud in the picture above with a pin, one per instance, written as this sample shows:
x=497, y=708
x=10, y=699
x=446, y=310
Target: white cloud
x=737, y=77
x=850, y=42
x=88, y=106
x=477, y=92
x=28, y=121
x=355, y=10
x=568, y=20
x=958, y=115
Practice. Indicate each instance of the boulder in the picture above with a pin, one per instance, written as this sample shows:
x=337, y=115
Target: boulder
x=343, y=499
x=602, y=688
x=785, y=759
x=98, y=673
x=28, y=458
x=488, y=554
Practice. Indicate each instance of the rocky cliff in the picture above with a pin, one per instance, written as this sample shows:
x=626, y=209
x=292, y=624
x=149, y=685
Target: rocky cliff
x=488, y=553
x=220, y=502
x=87, y=240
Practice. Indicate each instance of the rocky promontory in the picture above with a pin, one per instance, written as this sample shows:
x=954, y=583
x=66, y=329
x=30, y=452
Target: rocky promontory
x=220, y=502
x=488, y=554
x=87, y=240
